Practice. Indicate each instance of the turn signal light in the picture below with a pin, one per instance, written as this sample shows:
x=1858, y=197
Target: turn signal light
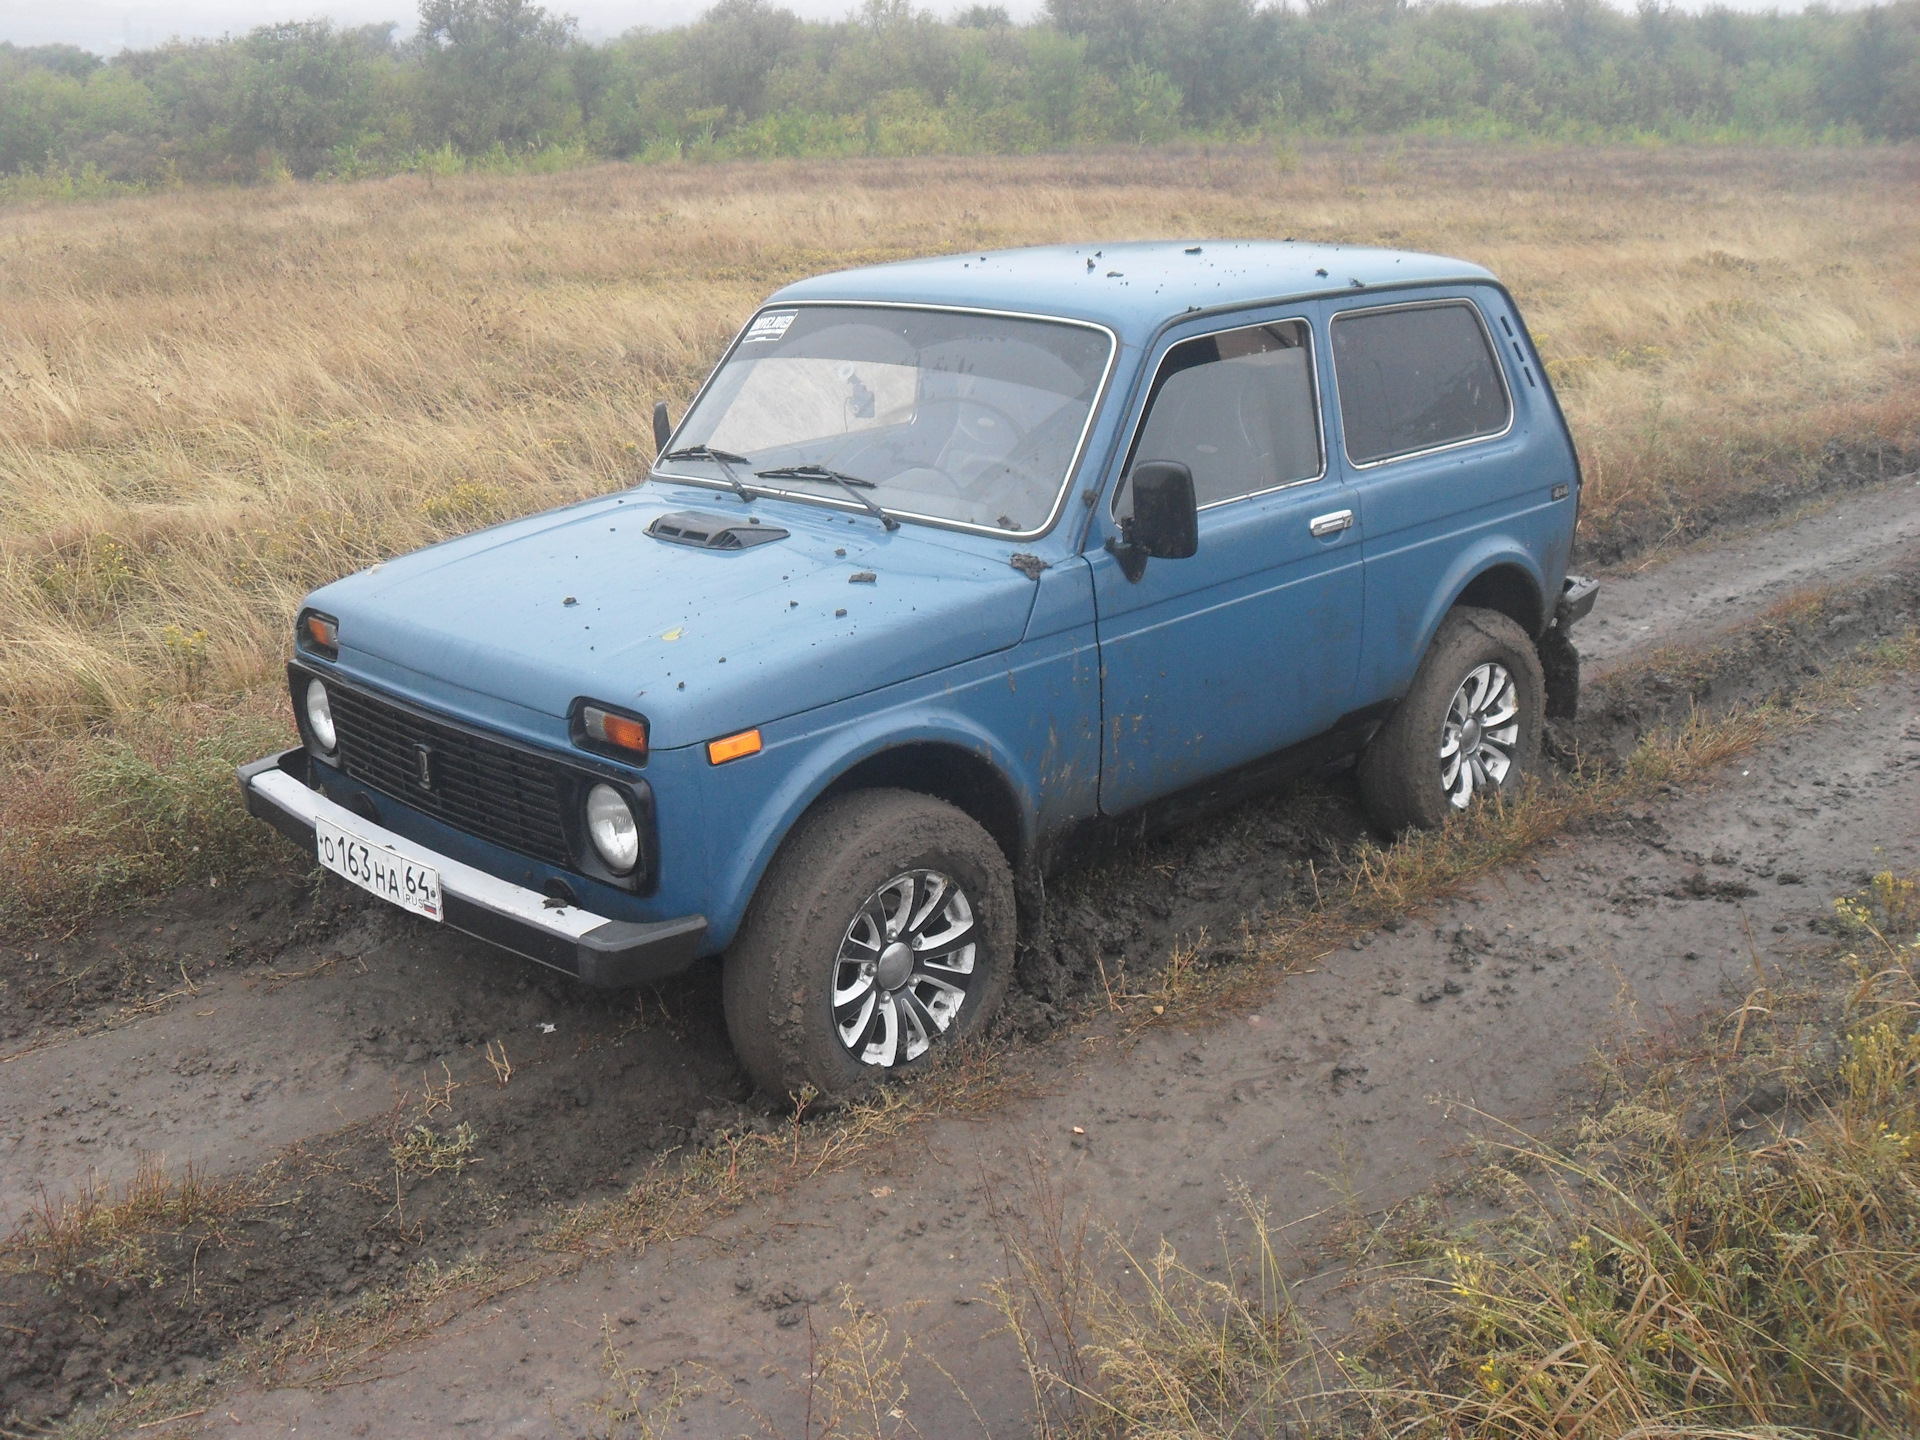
x=622, y=732
x=733, y=747
x=321, y=633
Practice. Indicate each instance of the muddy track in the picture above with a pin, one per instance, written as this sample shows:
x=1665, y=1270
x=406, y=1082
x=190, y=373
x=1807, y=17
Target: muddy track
x=1345, y=1088
x=1843, y=468
x=1693, y=593
x=291, y=1039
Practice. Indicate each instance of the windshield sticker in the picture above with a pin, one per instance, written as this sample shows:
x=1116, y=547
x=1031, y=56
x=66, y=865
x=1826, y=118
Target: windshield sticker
x=769, y=327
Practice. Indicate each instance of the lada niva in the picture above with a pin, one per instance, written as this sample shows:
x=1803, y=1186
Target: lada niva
x=950, y=566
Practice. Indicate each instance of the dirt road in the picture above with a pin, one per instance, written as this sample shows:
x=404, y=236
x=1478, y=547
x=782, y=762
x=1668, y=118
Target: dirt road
x=1710, y=588
x=297, y=1031
x=1332, y=1092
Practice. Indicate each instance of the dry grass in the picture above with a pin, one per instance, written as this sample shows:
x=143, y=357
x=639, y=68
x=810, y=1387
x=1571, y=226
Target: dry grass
x=1117, y=1342
x=639, y=1403
x=1730, y=1249
x=112, y=1233
x=1699, y=1261
x=215, y=400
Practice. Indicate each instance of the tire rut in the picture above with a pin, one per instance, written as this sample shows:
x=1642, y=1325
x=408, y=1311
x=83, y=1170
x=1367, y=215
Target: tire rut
x=1712, y=589
x=306, y=1033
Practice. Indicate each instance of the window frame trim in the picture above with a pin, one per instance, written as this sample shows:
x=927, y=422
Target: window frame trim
x=836, y=502
x=1128, y=454
x=1493, y=349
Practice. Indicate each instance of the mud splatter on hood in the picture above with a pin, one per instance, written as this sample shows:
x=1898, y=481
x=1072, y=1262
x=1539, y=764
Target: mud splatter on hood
x=584, y=602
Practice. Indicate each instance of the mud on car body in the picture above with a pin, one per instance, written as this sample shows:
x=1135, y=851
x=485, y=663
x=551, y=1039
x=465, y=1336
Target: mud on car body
x=949, y=564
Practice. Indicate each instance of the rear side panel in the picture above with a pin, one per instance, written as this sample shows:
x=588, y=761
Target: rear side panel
x=1432, y=522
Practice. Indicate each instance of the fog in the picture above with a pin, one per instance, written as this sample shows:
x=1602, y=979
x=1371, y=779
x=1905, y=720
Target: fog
x=107, y=28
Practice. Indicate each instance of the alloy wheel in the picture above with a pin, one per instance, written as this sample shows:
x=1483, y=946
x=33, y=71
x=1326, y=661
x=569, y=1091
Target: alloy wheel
x=905, y=967
x=1480, y=733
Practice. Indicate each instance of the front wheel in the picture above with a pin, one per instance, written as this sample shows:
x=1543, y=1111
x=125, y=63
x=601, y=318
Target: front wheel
x=883, y=930
x=1470, y=726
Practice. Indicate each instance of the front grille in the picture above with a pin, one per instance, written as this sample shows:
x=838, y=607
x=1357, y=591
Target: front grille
x=487, y=789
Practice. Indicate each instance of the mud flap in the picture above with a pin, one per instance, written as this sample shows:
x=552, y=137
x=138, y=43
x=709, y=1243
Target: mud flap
x=1560, y=665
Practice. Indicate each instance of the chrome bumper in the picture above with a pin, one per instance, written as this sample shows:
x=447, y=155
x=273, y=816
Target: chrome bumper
x=597, y=951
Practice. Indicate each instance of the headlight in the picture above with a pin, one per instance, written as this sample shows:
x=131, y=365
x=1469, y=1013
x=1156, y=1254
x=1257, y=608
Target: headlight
x=320, y=717
x=610, y=825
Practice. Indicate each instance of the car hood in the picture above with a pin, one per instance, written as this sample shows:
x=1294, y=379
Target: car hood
x=583, y=602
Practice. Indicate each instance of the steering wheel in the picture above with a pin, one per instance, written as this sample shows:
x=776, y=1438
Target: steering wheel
x=990, y=422
x=978, y=424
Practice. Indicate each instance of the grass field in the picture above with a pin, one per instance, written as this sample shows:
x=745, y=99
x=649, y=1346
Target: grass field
x=215, y=400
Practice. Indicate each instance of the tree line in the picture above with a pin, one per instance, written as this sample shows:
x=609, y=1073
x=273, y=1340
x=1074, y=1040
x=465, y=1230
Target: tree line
x=507, y=83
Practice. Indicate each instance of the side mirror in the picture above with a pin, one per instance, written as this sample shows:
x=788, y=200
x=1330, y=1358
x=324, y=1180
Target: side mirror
x=662, y=427
x=1165, y=523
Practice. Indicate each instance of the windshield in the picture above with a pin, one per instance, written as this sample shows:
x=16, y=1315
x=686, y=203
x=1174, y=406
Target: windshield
x=973, y=419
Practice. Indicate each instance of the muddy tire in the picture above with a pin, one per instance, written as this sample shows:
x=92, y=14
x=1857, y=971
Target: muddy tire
x=883, y=931
x=1470, y=724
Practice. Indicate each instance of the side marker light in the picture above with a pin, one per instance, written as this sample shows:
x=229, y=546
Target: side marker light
x=733, y=747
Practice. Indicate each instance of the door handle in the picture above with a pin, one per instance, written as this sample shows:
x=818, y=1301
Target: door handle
x=1322, y=526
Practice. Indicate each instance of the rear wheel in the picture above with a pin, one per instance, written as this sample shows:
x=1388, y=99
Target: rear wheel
x=883, y=930
x=1469, y=726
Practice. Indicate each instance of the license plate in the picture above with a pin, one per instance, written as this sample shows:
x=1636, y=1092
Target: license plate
x=378, y=870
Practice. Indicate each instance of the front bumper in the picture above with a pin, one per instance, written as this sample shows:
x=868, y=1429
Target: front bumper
x=609, y=954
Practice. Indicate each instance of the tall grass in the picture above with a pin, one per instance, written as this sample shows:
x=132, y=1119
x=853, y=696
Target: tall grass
x=1730, y=1249
x=214, y=400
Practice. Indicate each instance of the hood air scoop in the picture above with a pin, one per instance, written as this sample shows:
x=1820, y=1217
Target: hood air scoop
x=712, y=532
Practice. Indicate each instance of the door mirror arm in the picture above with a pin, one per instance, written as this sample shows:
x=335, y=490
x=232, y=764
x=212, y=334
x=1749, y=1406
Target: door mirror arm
x=1165, y=523
x=1133, y=560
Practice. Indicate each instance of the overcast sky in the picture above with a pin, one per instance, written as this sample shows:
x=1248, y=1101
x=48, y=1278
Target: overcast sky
x=107, y=26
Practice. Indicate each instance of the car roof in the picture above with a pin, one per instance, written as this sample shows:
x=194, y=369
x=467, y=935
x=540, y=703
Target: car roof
x=1133, y=287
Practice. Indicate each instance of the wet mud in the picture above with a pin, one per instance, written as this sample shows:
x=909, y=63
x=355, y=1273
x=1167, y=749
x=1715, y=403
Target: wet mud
x=360, y=1093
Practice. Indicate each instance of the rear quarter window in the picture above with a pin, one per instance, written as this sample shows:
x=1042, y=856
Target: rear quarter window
x=1415, y=377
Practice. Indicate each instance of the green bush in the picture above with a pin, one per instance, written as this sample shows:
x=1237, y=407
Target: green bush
x=503, y=84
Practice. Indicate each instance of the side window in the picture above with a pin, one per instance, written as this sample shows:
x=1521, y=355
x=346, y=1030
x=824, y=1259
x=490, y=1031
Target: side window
x=1237, y=409
x=1415, y=377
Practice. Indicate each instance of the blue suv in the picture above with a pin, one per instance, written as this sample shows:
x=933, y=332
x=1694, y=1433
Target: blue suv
x=951, y=565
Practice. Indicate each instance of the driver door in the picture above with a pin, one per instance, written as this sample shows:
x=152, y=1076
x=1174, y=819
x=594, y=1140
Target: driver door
x=1252, y=643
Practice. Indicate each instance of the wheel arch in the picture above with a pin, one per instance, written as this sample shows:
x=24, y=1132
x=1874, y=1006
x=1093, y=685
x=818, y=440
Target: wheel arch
x=1509, y=589
x=1497, y=573
x=941, y=755
x=962, y=776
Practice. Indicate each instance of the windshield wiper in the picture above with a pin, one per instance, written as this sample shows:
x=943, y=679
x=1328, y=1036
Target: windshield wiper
x=852, y=484
x=725, y=459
